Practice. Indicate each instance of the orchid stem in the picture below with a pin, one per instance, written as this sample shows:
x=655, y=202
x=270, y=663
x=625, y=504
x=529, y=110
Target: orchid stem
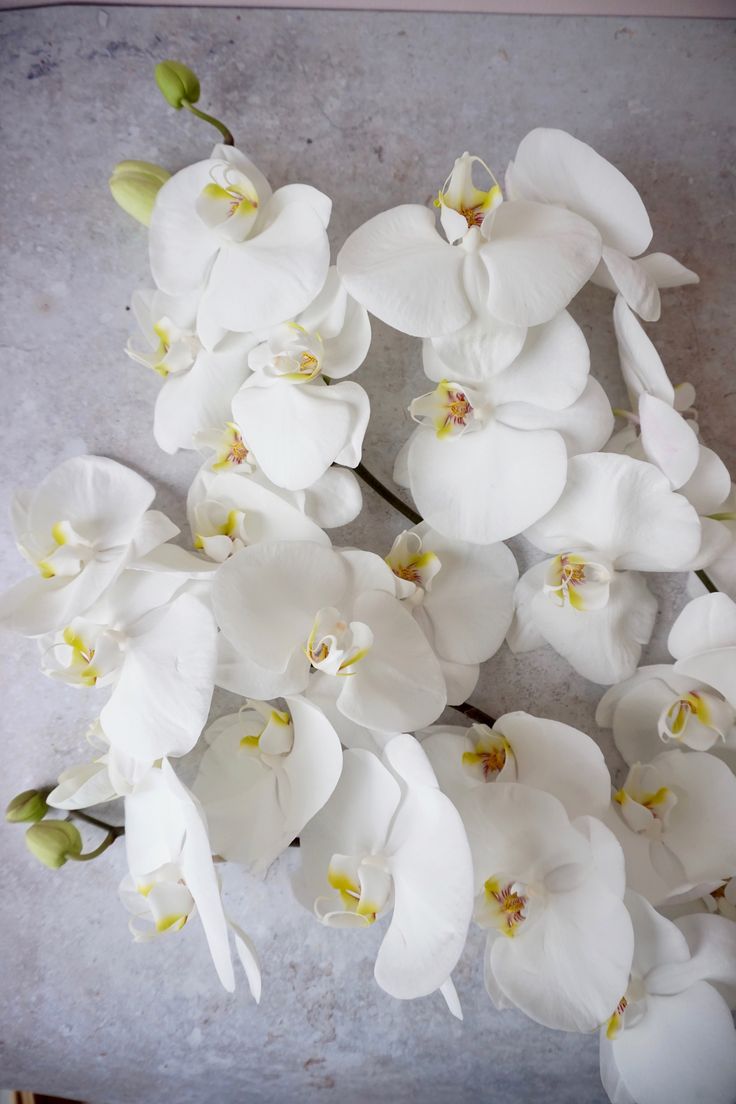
x=227, y=137
x=109, y=839
x=477, y=716
x=115, y=829
x=707, y=582
x=393, y=499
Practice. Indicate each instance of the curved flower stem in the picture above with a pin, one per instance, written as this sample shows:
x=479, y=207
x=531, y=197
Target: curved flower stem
x=477, y=716
x=707, y=582
x=115, y=829
x=109, y=839
x=227, y=137
x=393, y=499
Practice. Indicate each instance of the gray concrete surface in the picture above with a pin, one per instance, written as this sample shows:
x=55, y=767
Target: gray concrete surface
x=372, y=108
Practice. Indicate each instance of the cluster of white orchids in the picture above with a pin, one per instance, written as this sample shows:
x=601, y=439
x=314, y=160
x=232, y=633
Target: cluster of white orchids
x=607, y=908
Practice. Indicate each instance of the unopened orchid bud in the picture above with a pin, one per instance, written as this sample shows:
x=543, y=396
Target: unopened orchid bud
x=135, y=185
x=177, y=83
x=29, y=805
x=53, y=842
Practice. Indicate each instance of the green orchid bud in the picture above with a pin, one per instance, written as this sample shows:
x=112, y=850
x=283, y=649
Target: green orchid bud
x=135, y=185
x=177, y=82
x=29, y=805
x=53, y=842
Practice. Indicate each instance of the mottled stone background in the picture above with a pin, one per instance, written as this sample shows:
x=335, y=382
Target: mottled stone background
x=372, y=108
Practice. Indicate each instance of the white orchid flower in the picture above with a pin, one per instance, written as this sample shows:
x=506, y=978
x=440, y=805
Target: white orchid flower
x=155, y=646
x=264, y=775
x=509, y=265
x=617, y=516
x=666, y=705
x=671, y=1039
x=112, y=774
x=549, y=892
x=199, y=384
x=79, y=528
x=389, y=841
x=261, y=256
x=553, y=167
x=676, y=821
x=490, y=454
x=228, y=512
x=332, y=500
x=296, y=424
x=293, y=607
x=462, y=597
x=521, y=748
x=171, y=872
x=663, y=430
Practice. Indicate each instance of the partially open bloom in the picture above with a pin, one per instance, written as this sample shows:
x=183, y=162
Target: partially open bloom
x=199, y=384
x=291, y=608
x=388, y=841
x=171, y=872
x=616, y=516
x=671, y=1038
x=462, y=597
x=553, y=167
x=264, y=775
x=154, y=644
x=261, y=256
x=489, y=456
x=690, y=704
x=516, y=264
x=79, y=528
x=521, y=748
x=549, y=892
x=297, y=420
x=676, y=821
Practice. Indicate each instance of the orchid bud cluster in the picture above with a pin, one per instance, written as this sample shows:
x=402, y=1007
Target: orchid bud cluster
x=608, y=910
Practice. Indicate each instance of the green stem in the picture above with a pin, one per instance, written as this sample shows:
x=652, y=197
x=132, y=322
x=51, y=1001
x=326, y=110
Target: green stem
x=109, y=839
x=707, y=582
x=116, y=829
x=477, y=716
x=393, y=499
x=226, y=135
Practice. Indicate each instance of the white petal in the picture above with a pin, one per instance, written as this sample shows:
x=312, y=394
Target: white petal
x=554, y=167
x=82, y=786
x=701, y=827
x=584, y=426
x=298, y=430
x=668, y=440
x=248, y=960
x=666, y=271
x=398, y=686
x=486, y=486
x=162, y=696
x=711, y=944
x=523, y=634
x=710, y=484
x=632, y=282
x=477, y=350
x=537, y=260
x=180, y=245
x=401, y=270
x=717, y=668
x=683, y=1049
x=198, y=399
x=335, y=499
x=551, y=370
x=641, y=364
x=268, y=517
x=603, y=645
x=271, y=277
x=705, y=623
x=626, y=510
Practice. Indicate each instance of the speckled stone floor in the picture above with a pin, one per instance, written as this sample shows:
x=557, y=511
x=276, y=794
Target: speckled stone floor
x=371, y=108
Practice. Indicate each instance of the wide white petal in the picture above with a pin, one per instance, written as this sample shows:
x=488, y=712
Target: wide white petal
x=551, y=370
x=486, y=486
x=537, y=260
x=271, y=277
x=180, y=245
x=603, y=645
x=668, y=440
x=682, y=1050
x=641, y=364
x=334, y=499
x=709, y=485
x=478, y=350
x=198, y=399
x=711, y=944
x=626, y=510
x=551, y=166
x=716, y=668
x=401, y=270
x=585, y=426
x=705, y=623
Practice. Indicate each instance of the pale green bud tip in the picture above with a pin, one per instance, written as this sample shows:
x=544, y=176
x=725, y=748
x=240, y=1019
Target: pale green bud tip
x=53, y=842
x=29, y=805
x=135, y=185
x=177, y=83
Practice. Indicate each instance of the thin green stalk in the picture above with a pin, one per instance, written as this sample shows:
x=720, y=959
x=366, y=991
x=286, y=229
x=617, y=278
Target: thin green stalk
x=227, y=137
x=109, y=839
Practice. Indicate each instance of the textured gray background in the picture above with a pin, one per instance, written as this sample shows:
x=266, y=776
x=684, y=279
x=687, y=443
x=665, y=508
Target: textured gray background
x=372, y=108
